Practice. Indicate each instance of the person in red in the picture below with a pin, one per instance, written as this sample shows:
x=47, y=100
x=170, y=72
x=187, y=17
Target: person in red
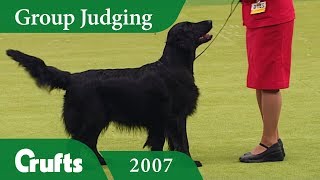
x=269, y=31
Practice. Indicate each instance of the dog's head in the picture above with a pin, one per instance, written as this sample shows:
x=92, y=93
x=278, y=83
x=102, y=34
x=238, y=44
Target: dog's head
x=189, y=36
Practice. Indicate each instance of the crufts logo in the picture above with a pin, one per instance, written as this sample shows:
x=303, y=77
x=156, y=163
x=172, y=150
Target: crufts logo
x=47, y=165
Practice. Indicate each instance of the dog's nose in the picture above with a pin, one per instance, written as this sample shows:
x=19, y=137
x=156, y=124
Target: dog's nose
x=209, y=22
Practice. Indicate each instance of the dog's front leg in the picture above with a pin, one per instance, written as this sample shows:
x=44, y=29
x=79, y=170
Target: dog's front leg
x=184, y=136
x=155, y=138
x=185, y=142
x=178, y=138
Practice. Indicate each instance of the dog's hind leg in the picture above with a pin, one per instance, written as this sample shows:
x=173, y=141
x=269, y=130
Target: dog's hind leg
x=90, y=137
x=85, y=121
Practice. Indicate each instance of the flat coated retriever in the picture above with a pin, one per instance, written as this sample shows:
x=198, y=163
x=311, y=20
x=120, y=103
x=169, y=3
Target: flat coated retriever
x=157, y=97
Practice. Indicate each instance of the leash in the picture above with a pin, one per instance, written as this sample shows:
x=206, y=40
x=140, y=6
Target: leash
x=232, y=9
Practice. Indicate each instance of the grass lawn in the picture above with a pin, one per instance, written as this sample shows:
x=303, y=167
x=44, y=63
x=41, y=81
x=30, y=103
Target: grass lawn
x=227, y=122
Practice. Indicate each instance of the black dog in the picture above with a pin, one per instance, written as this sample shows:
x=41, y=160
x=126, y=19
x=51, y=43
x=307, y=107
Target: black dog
x=157, y=97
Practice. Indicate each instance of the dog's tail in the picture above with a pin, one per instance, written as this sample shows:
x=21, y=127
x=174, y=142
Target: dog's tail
x=46, y=77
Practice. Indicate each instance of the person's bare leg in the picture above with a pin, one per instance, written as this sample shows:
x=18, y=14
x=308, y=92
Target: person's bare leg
x=259, y=100
x=271, y=102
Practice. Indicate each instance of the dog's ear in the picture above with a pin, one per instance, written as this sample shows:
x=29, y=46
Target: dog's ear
x=182, y=39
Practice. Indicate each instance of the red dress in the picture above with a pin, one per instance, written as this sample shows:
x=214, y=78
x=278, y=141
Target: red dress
x=269, y=44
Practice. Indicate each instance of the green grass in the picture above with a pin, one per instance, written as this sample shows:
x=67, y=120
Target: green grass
x=227, y=121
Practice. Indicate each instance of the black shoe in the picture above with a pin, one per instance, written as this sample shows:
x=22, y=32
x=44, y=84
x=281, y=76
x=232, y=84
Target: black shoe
x=271, y=154
x=281, y=145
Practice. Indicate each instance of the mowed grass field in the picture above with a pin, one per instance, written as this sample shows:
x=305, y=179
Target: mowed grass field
x=227, y=122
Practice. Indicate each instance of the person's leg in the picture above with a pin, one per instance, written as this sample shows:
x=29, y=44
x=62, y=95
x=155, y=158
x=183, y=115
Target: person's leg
x=270, y=107
x=259, y=100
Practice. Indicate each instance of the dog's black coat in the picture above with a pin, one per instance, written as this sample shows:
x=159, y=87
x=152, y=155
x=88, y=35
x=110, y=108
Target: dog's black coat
x=158, y=96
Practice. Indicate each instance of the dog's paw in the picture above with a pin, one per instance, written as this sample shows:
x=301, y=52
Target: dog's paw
x=198, y=163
